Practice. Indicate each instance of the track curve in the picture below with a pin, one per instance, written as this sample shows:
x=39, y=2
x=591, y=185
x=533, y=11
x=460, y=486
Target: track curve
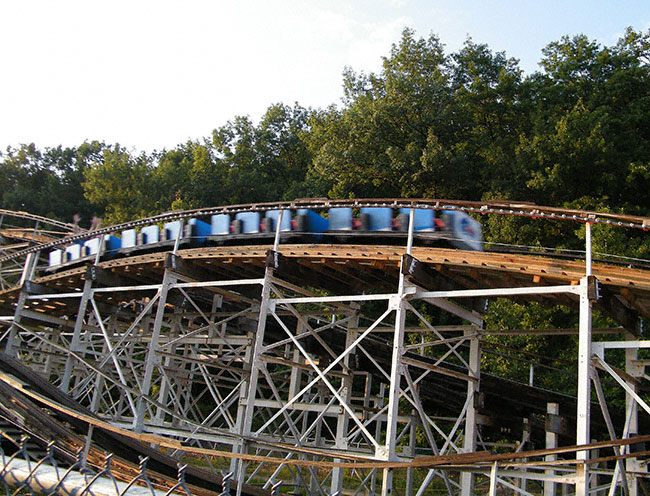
x=153, y=331
x=484, y=208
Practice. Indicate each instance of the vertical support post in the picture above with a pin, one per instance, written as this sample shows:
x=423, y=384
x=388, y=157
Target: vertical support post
x=410, y=472
x=526, y=428
x=100, y=249
x=550, y=487
x=153, y=356
x=30, y=268
x=27, y=275
x=98, y=390
x=469, y=443
x=493, y=480
x=217, y=302
x=295, y=381
x=179, y=235
x=244, y=422
x=632, y=465
x=588, y=249
x=184, y=396
x=393, y=396
x=321, y=392
x=379, y=404
x=343, y=417
x=296, y=372
x=76, y=334
x=245, y=414
x=593, y=476
x=584, y=387
x=166, y=385
x=278, y=229
x=241, y=408
x=398, y=303
x=48, y=366
x=13, y=330
x=35, y=231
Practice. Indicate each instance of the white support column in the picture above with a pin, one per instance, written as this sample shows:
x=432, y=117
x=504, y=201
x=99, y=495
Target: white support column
x=30, y=268
x=27, y=275
x=241, y=407
x=153, y=357
x=469, y=443
x=379, y=404
x=588, y=249
x=632, y=465
x=493, y=479
x=76, y=335
x=584, y=387
x=252, y=365
x=343, y=419
x=13, y=331
x=550, y=487
x=166, y=385
x=388, y=450
x=398, y=303
x=249, y=389
x=410, y=472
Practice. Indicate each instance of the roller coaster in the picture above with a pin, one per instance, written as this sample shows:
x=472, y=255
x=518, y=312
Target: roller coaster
x=20, y=231
x=325, y=347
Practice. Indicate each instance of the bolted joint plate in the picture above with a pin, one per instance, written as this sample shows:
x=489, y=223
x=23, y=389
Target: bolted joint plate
x=593, y=288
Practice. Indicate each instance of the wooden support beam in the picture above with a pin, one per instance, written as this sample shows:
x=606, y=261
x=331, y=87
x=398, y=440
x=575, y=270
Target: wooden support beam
x=32, y=288
x=422, y=275
x=610, y=304
x=106, y=278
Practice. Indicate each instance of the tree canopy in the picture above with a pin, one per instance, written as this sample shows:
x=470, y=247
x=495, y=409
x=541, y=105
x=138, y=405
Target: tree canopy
x=464, y=125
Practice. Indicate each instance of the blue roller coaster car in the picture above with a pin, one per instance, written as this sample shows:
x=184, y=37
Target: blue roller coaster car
x=339, y=224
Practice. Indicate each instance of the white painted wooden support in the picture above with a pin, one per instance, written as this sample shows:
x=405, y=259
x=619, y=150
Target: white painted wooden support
x=471, y=428
x=584, y=388
x=493, y=480
x=27, y=275
x=550, y=487
x=343, y=419
x=153, y=358
x=76, y=335
x=632, y=413
x=249, y=389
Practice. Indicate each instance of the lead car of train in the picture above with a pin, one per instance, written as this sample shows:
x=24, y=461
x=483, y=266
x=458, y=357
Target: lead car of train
x=339, y=225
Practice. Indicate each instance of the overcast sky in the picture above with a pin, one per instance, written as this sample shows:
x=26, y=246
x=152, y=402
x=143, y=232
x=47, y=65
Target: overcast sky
x=153, y=74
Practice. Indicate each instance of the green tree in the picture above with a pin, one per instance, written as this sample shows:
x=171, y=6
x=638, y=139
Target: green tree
x=373, y=146
x=48, y=182
x=591, y=134
x=428, y=125
x=264, y=162
x=188, y=176
x=586, y=144
x=491, y=115
x=122, y=185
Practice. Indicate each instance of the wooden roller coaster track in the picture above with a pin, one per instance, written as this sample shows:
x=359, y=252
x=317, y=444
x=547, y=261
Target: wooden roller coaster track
x=315, y=353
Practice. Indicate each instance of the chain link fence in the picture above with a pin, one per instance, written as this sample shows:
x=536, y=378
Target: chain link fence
x=23, y=473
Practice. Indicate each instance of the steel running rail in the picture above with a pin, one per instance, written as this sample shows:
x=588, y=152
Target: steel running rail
x=519, y=209
x=39, y=218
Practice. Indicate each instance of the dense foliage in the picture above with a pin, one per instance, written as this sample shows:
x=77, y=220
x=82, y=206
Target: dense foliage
x=466, y=125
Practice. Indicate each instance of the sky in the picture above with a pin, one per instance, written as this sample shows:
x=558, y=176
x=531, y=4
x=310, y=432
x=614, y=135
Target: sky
x=152, y=74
